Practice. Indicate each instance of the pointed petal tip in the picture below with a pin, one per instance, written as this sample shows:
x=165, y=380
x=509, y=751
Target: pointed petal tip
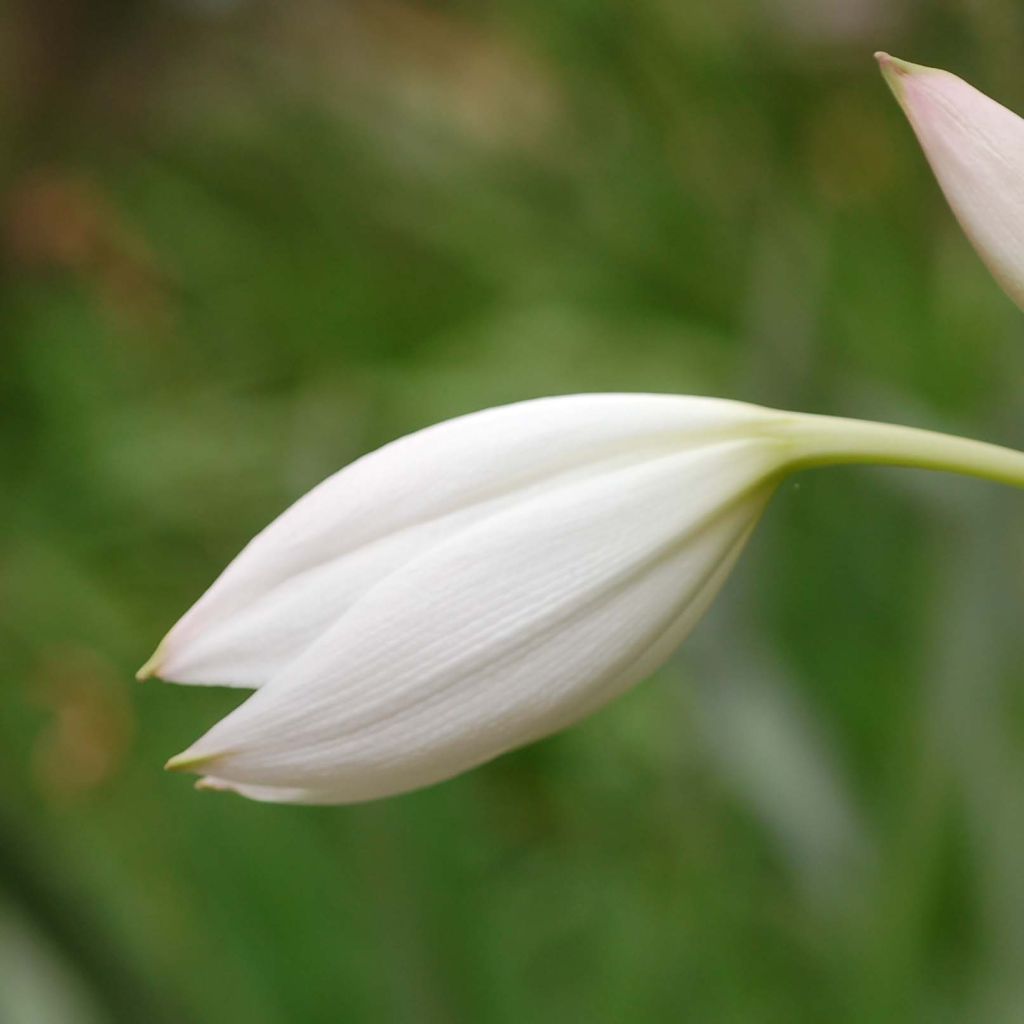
x=152, y=666
x=189, y=761
x=895, y=70
x=211, y=785
x=895, y=66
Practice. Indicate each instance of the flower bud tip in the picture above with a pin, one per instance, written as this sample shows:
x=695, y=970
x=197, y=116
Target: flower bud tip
x=891, y=65
x=895, y=71
x=152, y=666
x=187, y=761
x=211, y=785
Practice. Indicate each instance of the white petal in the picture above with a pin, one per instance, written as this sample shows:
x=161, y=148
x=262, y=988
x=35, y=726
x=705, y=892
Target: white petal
x=297, y=577
x=976, y=149
x=266, y=794
x=508, y=631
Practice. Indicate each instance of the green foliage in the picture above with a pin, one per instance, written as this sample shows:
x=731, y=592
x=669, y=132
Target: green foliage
x=242, y=248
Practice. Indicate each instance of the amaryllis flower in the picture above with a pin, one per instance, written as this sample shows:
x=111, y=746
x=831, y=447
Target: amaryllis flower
x=976, y=149
x=489, y=580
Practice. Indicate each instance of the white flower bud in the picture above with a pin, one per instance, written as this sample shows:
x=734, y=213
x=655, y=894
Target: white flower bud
x=489, y=580
x=976, y=148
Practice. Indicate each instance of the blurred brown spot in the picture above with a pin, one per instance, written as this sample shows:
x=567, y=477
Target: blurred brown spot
x=55, y=221
x=91, y=728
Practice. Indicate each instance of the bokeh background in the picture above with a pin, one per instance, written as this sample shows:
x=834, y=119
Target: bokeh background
x=243, y=243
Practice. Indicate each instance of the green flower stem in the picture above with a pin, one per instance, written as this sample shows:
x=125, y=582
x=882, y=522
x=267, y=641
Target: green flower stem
x=832, y=441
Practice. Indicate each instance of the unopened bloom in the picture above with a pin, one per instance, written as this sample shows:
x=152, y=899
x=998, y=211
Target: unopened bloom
x=976, y=148
x=489, y=580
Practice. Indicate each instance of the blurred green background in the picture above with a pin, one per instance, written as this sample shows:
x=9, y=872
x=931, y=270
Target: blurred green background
x=243, y=243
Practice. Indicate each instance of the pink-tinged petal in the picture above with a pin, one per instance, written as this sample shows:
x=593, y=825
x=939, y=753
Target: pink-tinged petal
x=976, y=148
